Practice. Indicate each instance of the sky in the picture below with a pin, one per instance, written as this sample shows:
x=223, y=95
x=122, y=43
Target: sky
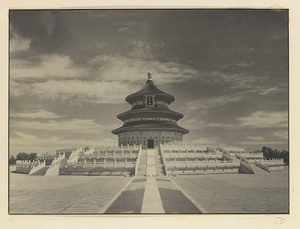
x=70, y=72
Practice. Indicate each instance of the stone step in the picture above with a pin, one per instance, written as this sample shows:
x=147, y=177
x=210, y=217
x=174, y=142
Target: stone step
x=41, y=172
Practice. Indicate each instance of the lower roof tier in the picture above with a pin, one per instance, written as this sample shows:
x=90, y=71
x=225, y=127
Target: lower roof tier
x=151, y=127
x=148, y=112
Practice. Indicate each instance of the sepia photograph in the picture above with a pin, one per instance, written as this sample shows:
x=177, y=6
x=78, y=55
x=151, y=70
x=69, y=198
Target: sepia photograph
x=148, y=112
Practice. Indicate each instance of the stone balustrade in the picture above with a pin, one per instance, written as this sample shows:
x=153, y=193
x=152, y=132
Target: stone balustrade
x=54, y=167
x=201, y=164
x=250, y=155
x=74, y=156
x=27, y=163
x=271, y=161
x=37, y=167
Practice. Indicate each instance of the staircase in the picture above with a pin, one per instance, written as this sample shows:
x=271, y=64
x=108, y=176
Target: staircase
x=158, y=163
x=151, y=165
x=258, y=170
x=41, y=172
x=142, y=166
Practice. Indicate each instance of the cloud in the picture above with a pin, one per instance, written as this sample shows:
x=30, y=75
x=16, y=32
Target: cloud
x=141, y=49
x=203, y=105
x=268, y=90
x=213, y=140
x=24, y=142
x=262, y=119
x=18, y=43
x=256, y=138
x=47, y=66
x=261, y=142
x=76, y=91
x=75, y=125
x=26, y=136
x=244, y=64
x=44, y=114
x=132, y=69
x=233, y=81
x=281, y=134
x=194, y=123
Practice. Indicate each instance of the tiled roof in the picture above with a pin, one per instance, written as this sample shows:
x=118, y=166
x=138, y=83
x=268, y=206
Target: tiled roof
x=157, y=110
x=149, y=89
x=151, y=127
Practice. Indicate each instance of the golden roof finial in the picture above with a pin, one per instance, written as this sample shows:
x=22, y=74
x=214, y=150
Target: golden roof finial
x=149, y=76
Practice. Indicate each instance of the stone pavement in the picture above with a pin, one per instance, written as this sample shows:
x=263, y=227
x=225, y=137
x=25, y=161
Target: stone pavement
x=62, y=194
x=239, y=193
x=152, y=195
x=190, y=194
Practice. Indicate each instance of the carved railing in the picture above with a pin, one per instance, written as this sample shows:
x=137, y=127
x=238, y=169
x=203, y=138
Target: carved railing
x=26, y=163
x=54, y=167
x=262, y=166
x=137, y=161
x=37, y=167
x=74, y=156
x=90, y=151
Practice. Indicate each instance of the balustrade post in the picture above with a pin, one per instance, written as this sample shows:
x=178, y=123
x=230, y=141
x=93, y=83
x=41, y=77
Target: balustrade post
x=125, y=163
x=104, y=163
x=115, y=162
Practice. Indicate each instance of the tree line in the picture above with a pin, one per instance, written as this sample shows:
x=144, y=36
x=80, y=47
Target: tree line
x=22, y=156
x=270, y=153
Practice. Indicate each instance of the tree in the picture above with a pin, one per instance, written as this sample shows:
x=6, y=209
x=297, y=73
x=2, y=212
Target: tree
x=32, y=156
x=269, y=153
x=285, y=155
x=26, y=156
x=12, y=160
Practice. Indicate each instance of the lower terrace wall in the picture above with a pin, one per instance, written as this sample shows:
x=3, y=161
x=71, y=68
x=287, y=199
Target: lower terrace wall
x=141, y=137
x=96, y=171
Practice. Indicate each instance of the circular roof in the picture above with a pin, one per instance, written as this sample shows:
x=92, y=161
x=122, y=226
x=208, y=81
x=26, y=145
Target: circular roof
x=149, y=89
x=151, y=127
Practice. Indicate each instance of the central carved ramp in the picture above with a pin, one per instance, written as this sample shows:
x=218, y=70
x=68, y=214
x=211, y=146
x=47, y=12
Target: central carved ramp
x=152, y=201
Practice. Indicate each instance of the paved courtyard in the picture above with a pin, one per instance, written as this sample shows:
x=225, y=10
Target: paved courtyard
x=222, y=193
x=239, y=193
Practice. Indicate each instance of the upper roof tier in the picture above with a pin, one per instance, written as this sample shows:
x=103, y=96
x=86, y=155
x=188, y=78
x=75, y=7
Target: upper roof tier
x=149, y=89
